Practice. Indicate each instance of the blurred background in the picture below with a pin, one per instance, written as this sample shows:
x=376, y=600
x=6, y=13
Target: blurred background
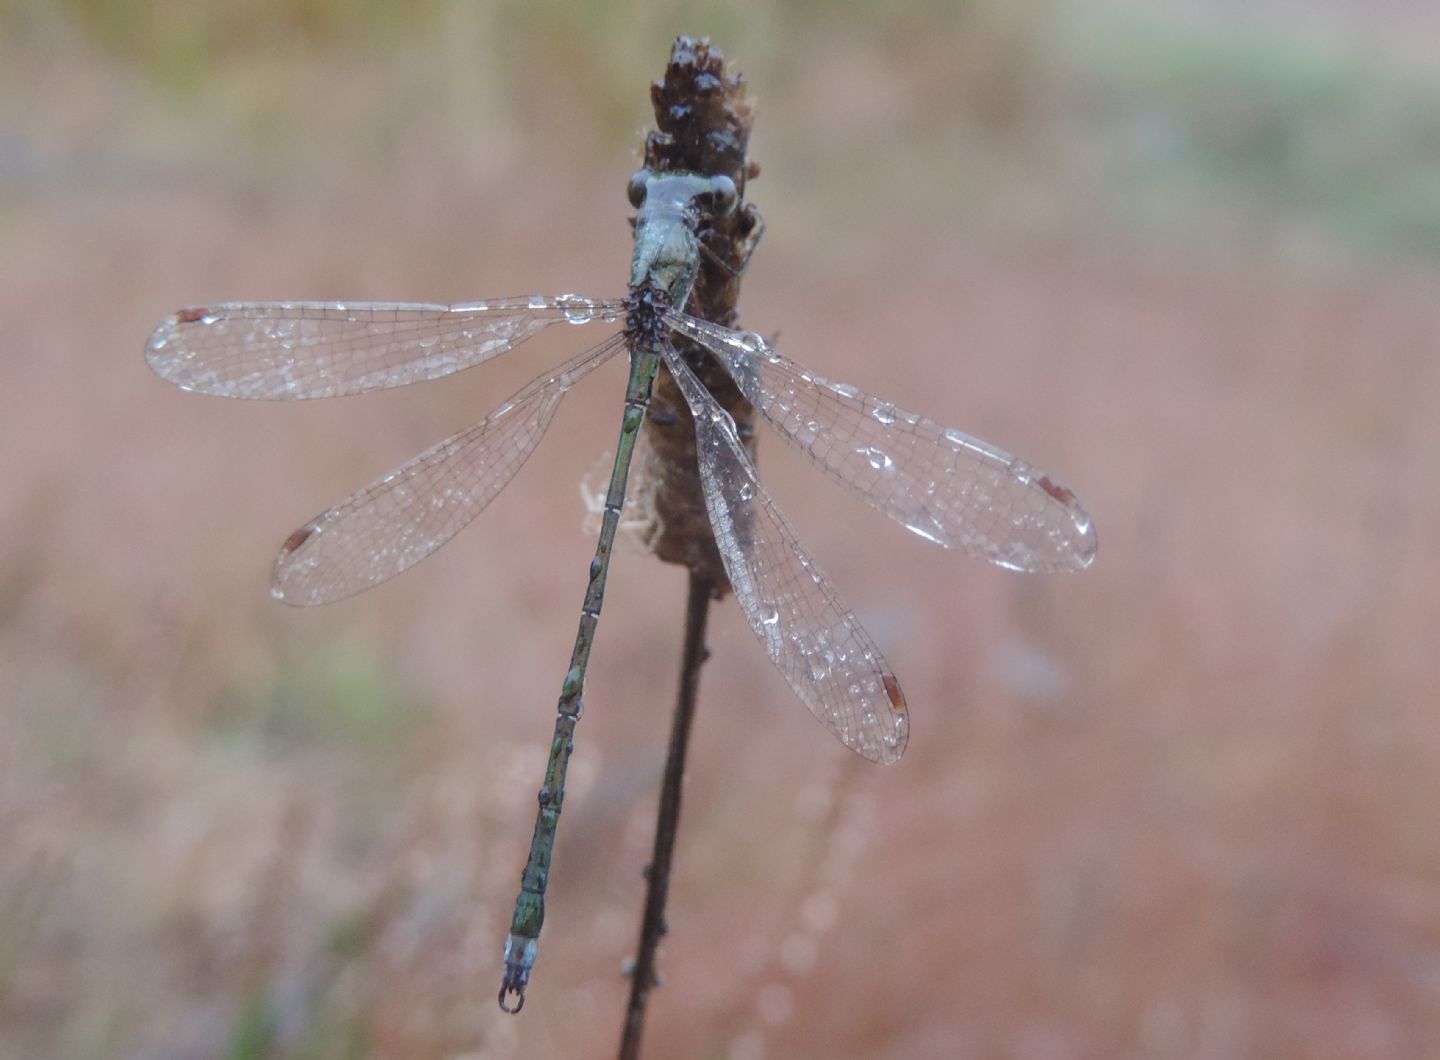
x=1182, y=255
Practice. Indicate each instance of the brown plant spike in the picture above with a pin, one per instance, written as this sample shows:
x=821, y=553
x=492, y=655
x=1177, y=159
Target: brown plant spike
x=703, y=126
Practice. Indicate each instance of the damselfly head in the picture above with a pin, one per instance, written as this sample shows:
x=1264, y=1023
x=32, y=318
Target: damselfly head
x=717, y=193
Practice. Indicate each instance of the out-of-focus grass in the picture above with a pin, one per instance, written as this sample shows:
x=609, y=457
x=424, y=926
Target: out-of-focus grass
x=321, y=695
x=1181, y=127
x=180, y=44
x=1236, y=124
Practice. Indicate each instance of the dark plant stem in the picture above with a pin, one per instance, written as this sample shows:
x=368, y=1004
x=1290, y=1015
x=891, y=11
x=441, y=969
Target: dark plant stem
x=667, y=821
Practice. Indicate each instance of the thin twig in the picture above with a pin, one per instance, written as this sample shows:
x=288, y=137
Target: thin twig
x=667, y=821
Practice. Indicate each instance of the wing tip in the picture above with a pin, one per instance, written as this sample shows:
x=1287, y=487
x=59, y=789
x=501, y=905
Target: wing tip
x=166, y=357
x=158, y=354
x=1087, y=541
x=288, y=583
x=900, y=736
x=890, y=745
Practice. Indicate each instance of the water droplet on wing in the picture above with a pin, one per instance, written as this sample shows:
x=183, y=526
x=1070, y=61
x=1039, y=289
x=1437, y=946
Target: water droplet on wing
x=878, y=458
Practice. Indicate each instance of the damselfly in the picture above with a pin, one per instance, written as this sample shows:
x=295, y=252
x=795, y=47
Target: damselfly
x=945, y=486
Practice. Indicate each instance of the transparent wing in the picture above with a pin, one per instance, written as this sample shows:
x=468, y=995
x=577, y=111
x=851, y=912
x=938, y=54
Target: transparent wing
x=293, y=350
x=948, y=487
x=398, y=520
x=809, y=633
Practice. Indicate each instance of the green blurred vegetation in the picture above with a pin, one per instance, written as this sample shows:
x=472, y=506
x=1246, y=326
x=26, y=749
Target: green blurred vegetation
x=1186, y=123
x=330, y=1034
x=176, y=41
x=320, y=695
x=179, y=43
x=1230, y=120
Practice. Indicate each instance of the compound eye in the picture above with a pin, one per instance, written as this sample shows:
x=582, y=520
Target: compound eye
x=722, y=195
x=635, y=190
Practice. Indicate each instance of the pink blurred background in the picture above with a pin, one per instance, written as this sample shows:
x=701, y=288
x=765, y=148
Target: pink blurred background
x=1183, y=256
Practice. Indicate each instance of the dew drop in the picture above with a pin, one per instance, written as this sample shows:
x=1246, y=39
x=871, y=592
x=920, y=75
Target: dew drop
x=577, y=309
x=878, y=458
